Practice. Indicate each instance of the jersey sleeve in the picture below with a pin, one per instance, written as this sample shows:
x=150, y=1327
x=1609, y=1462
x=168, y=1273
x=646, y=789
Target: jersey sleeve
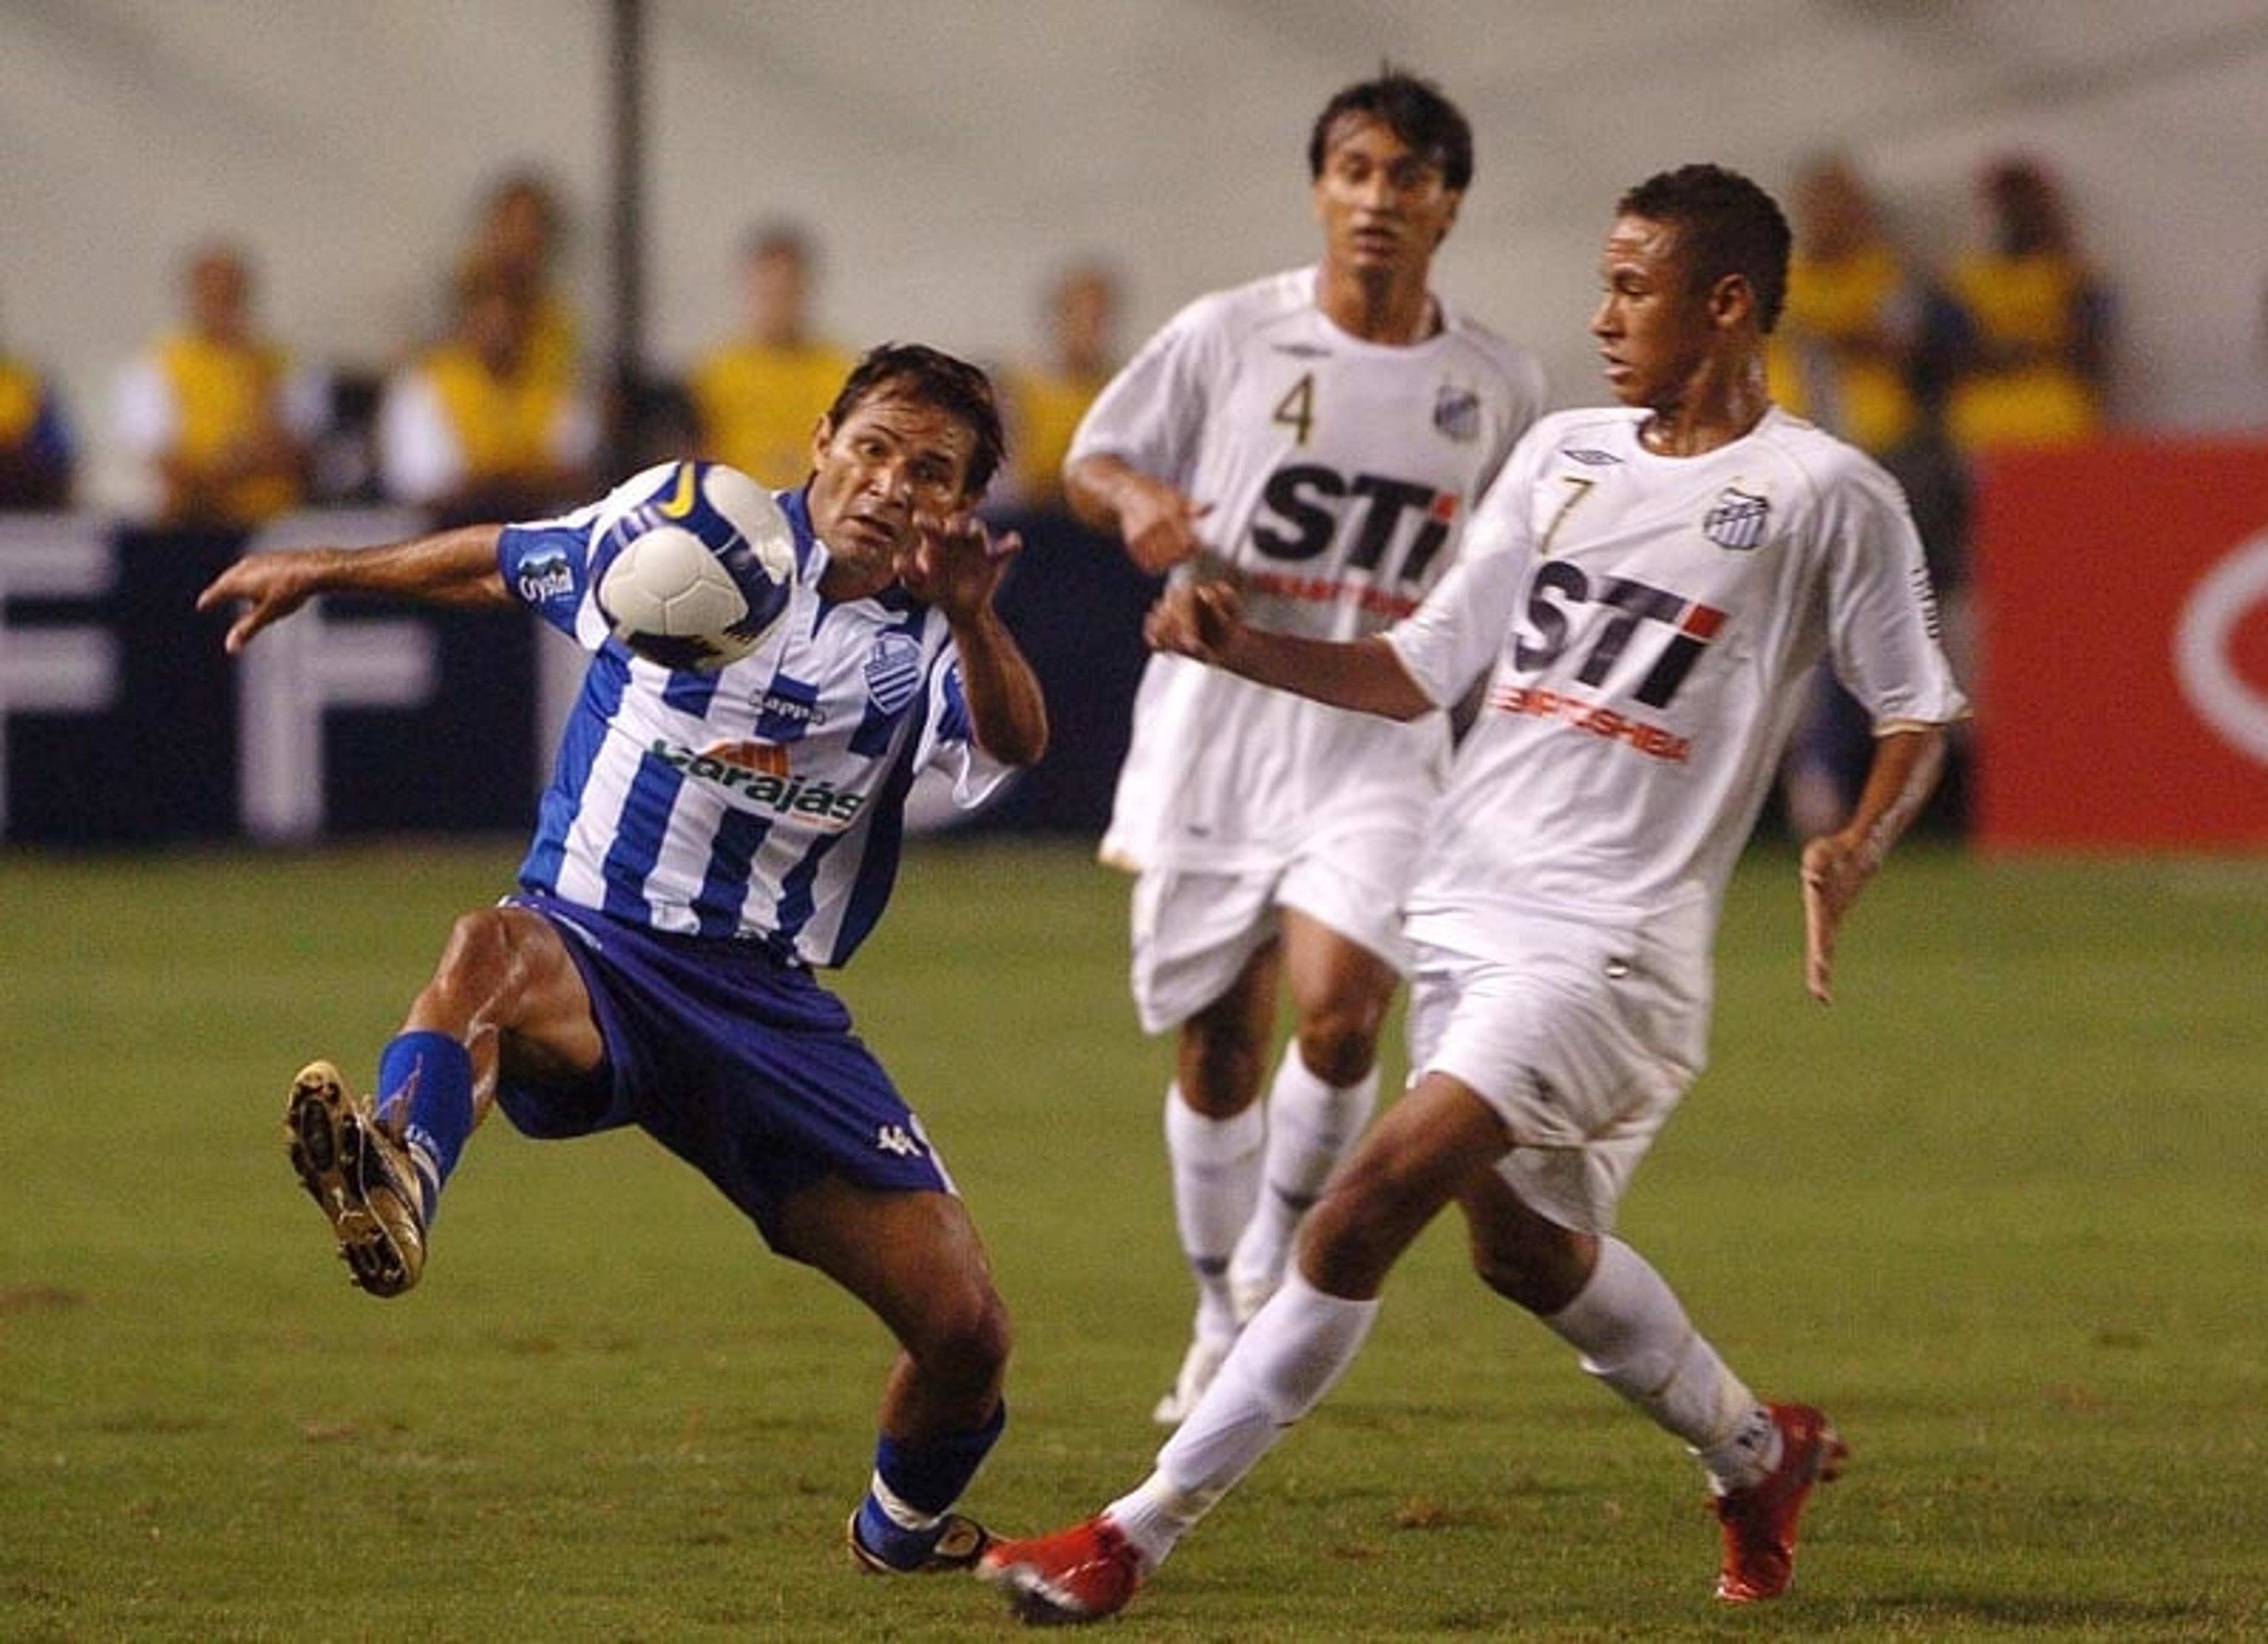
x=1151, y=414
x=1881, y=612
x=948, y=738
x=546, y=562
x=1455, y=635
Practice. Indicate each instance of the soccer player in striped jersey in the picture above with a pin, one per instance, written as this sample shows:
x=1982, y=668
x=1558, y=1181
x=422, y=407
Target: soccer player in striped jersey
x=1644, y=593
x=709, y=841
x=1320, y=436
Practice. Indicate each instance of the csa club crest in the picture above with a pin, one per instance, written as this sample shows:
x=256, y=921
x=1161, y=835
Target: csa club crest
x=893, y=672
x=1738, y=521
x=1457, y=412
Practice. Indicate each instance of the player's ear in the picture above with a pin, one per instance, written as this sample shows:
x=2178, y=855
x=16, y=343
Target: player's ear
x=1456, y=201
x=1732, y=301
x=822, y=435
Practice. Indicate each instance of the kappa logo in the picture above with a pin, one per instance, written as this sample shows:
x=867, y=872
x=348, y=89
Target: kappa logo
x=1739, y=520
x=898, y=1140
x=1457, y=412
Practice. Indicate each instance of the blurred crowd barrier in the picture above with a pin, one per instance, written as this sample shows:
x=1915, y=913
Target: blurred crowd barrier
x=2121, y=663
x=123, y=722
x=2122, y=688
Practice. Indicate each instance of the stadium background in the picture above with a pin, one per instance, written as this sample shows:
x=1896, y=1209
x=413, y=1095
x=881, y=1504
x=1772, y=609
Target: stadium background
x=949, y=158
x=950, y=155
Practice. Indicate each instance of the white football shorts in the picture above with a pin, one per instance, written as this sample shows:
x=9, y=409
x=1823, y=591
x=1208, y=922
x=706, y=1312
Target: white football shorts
x=1193, y=933
x=1584, y=1044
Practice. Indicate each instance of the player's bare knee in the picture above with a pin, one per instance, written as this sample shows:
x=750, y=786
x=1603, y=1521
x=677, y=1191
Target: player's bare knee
x=1541, y=1271
x=964, y=1346
x=474, y=965
x=1339, y=1045
x=1219, y=1074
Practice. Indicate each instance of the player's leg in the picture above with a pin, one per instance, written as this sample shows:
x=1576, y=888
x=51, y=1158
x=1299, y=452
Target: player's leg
x=1609, y=1304
x=1405, y=1171
x=503, y=988
x=1216, y=1134
x=915, y=1259
x=1321, y=1095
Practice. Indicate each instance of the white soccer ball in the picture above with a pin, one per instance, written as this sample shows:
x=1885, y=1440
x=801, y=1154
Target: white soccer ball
x=698, y=574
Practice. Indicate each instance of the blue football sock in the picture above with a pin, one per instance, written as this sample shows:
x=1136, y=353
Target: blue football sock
x=433, y=1074
x=914, y=1483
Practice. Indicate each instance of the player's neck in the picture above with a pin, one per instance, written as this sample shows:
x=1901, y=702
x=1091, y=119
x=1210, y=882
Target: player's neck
x=1715, y=408
x=1393, y=312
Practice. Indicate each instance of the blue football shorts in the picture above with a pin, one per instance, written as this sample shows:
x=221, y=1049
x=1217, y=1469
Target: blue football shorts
x=740, y=1064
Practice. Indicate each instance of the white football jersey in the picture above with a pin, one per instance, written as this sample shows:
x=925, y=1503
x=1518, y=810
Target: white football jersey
x=1338, y=474
x=1647, y=623
x=764, y=801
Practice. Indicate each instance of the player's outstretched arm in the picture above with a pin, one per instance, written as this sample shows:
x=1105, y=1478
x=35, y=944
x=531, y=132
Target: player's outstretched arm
x=1158, y=524
x=450, y=568
x=1204, y=620
x=1838, y=865
x=956, y=564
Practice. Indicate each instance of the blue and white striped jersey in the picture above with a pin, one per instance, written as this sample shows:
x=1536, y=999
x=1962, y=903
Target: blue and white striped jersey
x=764, y=801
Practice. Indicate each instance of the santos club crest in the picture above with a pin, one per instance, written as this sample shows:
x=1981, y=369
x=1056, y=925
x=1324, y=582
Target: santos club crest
x=1738, y=521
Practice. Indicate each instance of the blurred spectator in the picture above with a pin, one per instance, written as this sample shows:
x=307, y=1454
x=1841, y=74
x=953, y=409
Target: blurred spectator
x=2035, y=364
x=38, y=456
x=757, y=399
x=1044, y=397
x=521, y=228
x=1862, y=349
x=478, y=427
x=216, y=411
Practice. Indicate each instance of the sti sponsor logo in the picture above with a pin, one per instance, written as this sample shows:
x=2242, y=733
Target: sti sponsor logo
x=549, y=577
x=756, y=775
x=1305, y=506
x=1664, y=631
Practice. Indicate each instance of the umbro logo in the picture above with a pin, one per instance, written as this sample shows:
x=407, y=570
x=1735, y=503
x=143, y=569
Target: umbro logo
x=1303, y=350
x=1591, y=458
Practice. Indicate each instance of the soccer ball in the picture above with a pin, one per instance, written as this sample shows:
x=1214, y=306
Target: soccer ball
x=698, y=574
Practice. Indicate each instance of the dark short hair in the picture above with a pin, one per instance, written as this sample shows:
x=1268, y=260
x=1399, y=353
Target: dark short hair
x=932, y=378
x=1414, y=110
x=779, y=237
x=1732, y=226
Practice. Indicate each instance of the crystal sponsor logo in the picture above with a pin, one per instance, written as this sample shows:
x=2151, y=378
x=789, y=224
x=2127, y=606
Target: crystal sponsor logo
x=549, y=577
x=756, y=775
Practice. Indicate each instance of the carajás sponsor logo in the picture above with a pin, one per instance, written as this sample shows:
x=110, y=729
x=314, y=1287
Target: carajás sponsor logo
x=756, y=775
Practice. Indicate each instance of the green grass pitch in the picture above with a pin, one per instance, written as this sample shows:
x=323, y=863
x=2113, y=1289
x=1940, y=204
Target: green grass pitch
x=2002, y=1209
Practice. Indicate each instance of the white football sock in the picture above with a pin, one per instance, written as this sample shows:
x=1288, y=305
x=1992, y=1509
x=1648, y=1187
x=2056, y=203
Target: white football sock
x=1292, y=1354
x=1634, y=1336
x=1311, y=1124
x=1216, y=1174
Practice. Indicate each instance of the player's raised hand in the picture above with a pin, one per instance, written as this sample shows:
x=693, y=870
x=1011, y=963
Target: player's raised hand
x=954, y=562
x=1159, y=523
x=1199, y=620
